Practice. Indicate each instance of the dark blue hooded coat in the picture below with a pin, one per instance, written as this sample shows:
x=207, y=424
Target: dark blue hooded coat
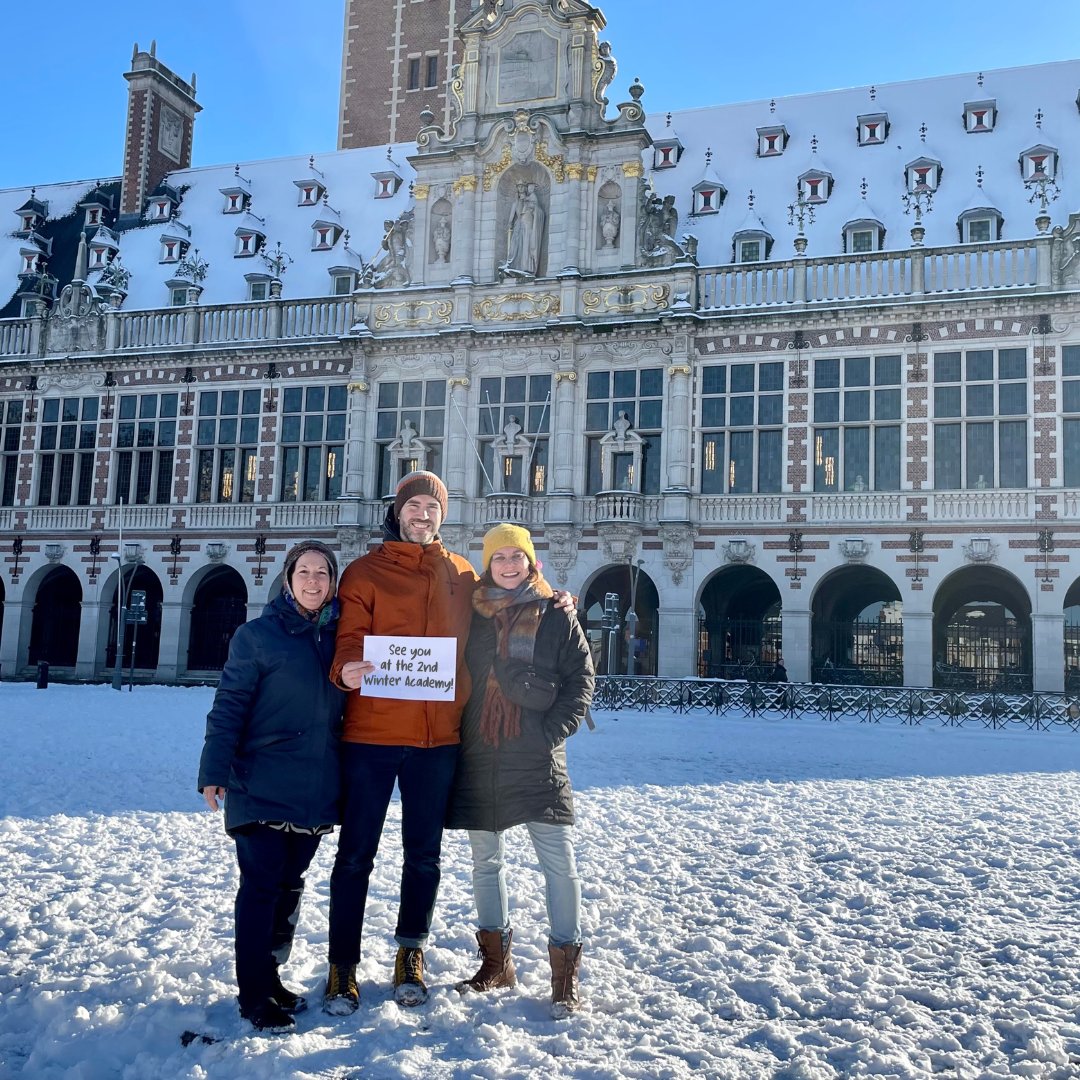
x=272, y=733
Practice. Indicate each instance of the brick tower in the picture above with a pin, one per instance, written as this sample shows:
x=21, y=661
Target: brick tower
x=160, y=125
x=397, y=58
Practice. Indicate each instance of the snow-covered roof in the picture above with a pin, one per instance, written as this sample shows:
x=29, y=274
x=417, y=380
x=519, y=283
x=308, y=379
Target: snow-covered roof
x=925, y=119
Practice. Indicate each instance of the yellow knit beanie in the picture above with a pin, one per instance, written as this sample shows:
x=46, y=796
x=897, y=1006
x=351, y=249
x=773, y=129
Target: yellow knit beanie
x=506, y=535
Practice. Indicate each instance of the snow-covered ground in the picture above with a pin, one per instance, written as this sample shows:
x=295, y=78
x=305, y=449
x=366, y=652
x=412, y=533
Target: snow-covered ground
x=794, y=900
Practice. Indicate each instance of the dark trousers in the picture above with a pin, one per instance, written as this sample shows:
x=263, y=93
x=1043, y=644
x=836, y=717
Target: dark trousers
x=272, y=866
x=424, y=776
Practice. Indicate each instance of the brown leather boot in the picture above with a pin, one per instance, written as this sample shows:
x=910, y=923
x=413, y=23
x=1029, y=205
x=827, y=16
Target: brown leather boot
x=496, y=966
x=565, y=966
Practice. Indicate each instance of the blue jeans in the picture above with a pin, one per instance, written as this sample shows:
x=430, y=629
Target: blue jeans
x=554, y=848
x=272, y=866
x=368, y=772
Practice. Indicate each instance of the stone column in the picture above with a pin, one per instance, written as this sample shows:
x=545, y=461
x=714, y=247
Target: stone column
x=463, y=239
x=89, y=632
x=918, y=647
x=170, y=662
x=561, y=446
x=677, y=428
x=356, y=451
x=457, y=442
x=9, y=638
x=676, y=657
x=1048, y=649
x=795, y=626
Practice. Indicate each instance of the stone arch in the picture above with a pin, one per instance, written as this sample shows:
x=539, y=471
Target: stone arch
x=857, y=628
x=218, y=606
x=982, y=637
x=740, y=633
x=57, y=613
x=616, y=579
x=147, y=637
x=1071, y=631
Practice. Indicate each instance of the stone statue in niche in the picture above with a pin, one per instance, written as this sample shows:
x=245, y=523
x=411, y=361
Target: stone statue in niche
x=610, y=221
x=440, y=239
x=525, y=233
x=391, y=270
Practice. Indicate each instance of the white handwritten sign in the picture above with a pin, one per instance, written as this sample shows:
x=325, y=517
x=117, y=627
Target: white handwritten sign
x=416, y=668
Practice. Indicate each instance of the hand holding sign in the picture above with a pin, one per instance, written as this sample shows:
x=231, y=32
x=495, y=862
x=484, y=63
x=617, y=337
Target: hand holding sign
x=413, y=668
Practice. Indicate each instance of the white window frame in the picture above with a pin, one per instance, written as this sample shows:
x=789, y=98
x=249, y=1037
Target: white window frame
x=980, y=116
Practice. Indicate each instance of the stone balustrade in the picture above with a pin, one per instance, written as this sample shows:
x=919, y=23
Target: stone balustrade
x=1020, y=266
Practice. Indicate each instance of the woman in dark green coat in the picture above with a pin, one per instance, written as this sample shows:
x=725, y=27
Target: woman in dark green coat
x=512, y=764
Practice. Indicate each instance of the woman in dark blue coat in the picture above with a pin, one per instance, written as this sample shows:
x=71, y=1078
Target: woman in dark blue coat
x=271, y=756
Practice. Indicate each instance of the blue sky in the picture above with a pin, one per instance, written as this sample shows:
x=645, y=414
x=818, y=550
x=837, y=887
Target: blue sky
x=269, y=73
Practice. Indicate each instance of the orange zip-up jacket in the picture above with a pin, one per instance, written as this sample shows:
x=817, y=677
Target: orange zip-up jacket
x=404, y=590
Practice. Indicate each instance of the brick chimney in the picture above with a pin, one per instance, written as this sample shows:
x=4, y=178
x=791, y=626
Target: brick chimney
x=160, y=125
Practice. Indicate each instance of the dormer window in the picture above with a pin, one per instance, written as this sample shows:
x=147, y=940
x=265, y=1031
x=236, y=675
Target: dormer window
x=324, y=235
x=980, y=116
x=772, y=141
x=29, y=222
x=173, y=249
x=93, y=215
x=709, y=197
x=1039, y=163
x=386, y=184
x=873, y=129
x=666, y=153
x=258, y=287
x=309, y=192
x=248, y=242
x=31, y=261
x=160, y=209
x=815, y=186
x=343, y=281
x=979, y=225
x=863, y=236
x=236, y=202
x=923, y=174
x=751, y=245
x=99, y=257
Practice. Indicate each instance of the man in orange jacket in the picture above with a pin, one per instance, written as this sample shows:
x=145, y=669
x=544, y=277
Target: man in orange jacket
x=409, y=586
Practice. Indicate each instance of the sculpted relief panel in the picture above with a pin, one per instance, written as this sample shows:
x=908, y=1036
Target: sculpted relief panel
x=528, y=68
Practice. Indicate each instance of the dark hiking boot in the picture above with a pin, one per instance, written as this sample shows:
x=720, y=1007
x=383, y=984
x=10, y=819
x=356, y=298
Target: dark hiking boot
x=496, y=966
x=409, y=986
x=565, y=966
x=289, y=1000
x=269, y=1018
x=342, y=995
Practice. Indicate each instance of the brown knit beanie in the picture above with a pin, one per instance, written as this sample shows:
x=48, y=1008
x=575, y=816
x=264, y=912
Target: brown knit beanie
x=302, y=548
x=419, y=483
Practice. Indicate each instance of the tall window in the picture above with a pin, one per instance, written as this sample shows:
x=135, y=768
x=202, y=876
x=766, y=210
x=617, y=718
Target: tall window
x=431, y=74
x=980, y=428
x=145, y=438
x=419, y=408
x=65, y=474
x=857, y=424
x=1070, y=406
x=313, y=442
x=414, y=73
x=227, y=441
x=10, y=437
x=639, y=394
x=524, y=400
x=742, y=415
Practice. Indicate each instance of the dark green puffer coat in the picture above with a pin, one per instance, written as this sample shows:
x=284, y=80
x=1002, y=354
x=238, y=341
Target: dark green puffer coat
x=525, y=778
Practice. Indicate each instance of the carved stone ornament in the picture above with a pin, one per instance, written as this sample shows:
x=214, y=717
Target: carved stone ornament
x=678, y=550
x=854, y=549
x=562, y=550
x=980, y=549
x=455, y=538
x=1065, y=253
x=216, y=551
x=71, y=381
x=54, y=552
x=620, y=542
x=353, y=542
x=740, y=551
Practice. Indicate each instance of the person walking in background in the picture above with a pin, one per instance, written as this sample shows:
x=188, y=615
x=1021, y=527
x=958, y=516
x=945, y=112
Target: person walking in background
x=271, y=756
x=532, y=679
